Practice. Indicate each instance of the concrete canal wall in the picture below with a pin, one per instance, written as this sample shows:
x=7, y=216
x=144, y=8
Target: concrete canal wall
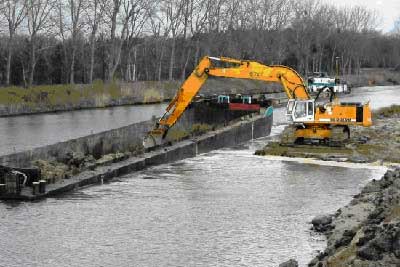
x=124, y=139
x=117, y=140
x=239, y=132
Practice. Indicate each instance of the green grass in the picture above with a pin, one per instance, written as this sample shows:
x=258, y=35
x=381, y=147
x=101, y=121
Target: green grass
x=177, y=134
x=388, y=111
x=275, y=149
x=97, y=94
x=200, y=128
x=52, y=95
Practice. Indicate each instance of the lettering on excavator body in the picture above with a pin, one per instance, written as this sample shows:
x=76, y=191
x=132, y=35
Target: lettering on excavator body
x=254, y=74
x=340, y=120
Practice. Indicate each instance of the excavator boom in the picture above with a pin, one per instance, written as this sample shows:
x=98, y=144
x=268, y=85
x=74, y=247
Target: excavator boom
x=240, y=69
x=316, y=122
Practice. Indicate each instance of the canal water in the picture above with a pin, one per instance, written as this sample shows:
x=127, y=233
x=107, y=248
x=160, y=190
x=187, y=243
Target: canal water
x=27, y=132
x=224, y=208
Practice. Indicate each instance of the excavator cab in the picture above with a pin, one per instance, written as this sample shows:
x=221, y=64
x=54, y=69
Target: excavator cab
x=299, y=111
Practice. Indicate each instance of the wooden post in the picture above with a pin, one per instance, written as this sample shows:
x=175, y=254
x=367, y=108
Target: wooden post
x=2, y=189
x=42, y=186
x=35, y=188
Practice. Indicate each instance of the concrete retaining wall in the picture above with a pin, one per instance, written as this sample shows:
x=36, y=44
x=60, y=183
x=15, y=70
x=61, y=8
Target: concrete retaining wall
x=128, y=138
x=121, y=139
x=237, y=133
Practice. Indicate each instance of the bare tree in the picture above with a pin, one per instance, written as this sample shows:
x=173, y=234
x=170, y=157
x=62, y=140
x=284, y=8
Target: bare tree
x=396, y=28
x=38, y=20
x=93, y=14
x=14, y=12
x=61, y=21
x=75, y=8
x=201, y=10
x=171, y=13
x=121, y=14
x=303, y=27
x=159, y=40
x=131, y=38
x=137, y=20
x=194, y=23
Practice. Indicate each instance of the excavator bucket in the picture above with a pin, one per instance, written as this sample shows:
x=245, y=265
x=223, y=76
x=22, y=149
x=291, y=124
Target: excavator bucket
x=153, y=139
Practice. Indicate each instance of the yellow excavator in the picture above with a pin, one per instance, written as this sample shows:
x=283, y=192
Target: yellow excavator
x=322, y=122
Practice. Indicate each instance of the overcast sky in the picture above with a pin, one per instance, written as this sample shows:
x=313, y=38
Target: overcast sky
x=389, y=10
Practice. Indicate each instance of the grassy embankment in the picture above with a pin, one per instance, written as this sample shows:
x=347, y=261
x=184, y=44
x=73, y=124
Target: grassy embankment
x=373, y=77
x=380, y=142
x=98, y=94
x=48, y=98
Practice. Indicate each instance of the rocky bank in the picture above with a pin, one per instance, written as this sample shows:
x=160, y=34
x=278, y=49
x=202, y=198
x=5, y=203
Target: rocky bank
x=366, y=232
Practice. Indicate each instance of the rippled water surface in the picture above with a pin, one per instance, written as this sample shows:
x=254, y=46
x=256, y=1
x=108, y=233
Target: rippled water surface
x=225, y=208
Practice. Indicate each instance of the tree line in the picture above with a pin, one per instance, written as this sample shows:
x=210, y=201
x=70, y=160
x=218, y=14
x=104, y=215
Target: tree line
x=78, y=41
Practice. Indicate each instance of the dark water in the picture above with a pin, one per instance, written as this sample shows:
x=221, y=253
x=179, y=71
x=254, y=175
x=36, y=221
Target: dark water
x=26, y=132
x=225, y=208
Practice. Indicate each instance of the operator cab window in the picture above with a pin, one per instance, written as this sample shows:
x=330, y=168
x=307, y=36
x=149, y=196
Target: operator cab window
x=290, y=106
x=310, y=108
x=301, y=109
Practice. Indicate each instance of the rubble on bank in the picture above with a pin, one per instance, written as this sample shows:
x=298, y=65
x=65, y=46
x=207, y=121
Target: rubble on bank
x=366, y=232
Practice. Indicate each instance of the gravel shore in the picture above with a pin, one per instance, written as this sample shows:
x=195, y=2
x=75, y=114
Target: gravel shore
x=366, y=232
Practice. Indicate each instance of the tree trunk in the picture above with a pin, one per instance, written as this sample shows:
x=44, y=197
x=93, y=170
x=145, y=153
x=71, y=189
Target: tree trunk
x=172, y=60
x=72, y=66
x=24, y=75
x=185, y=64
x=134, y=63
x=197, y=54
x=333, y=62
x=114, y=60
x=128, y=70
x=32, y=62
x=160, y=63
x=92, y=50
x=9, y=56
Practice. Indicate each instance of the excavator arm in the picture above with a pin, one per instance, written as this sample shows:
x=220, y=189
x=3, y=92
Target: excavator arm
x=291, y=81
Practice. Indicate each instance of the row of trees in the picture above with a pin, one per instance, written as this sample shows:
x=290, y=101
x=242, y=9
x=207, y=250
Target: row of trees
x=77, y=41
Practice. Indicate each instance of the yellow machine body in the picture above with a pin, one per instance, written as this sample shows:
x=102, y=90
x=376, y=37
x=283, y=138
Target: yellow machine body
x=312, y=119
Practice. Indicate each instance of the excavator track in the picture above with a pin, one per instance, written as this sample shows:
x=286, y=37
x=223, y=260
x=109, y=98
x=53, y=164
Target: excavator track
x=288, y=136
x=340, y=135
